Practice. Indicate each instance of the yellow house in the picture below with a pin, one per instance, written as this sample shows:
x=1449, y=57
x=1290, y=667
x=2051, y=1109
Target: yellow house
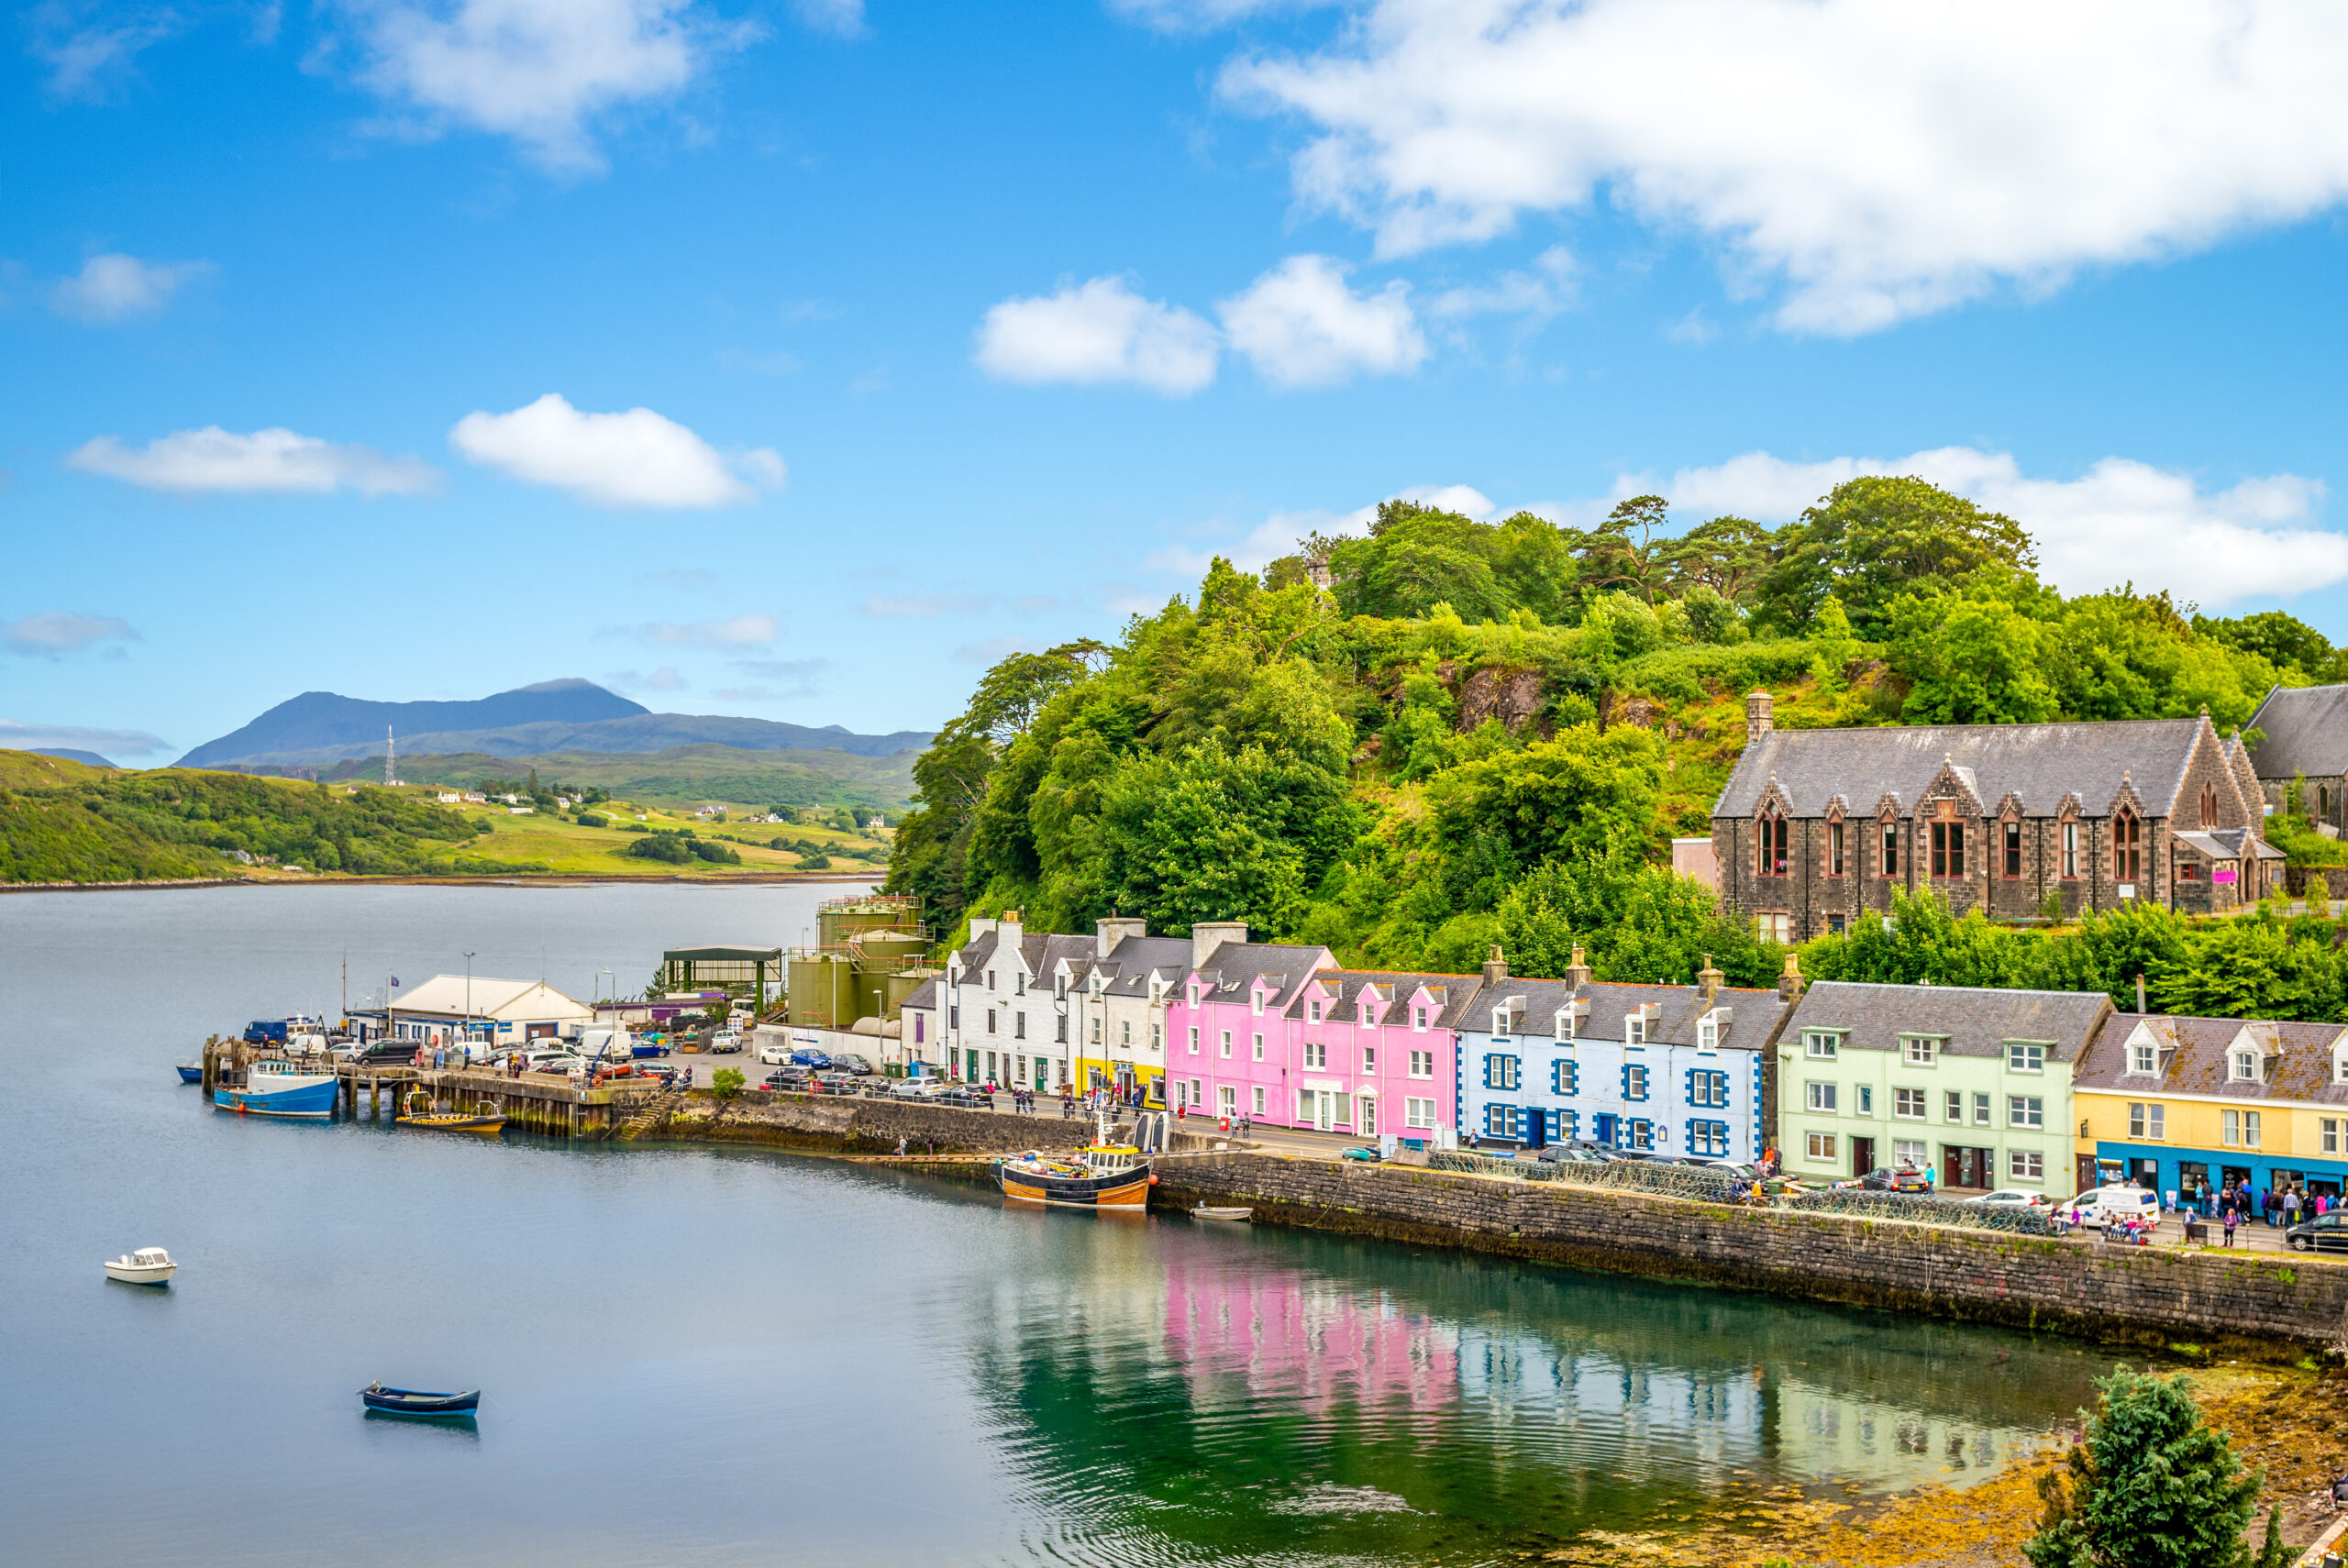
x=2195, y=1105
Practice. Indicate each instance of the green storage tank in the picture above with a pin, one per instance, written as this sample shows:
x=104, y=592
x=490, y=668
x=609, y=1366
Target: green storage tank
x=822, y=991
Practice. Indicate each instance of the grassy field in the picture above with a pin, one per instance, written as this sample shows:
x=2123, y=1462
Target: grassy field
x=565, y=849
x=685, y=776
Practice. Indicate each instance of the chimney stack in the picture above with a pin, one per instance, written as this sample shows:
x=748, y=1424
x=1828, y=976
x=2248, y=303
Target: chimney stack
x=1709, y=979
x=1208, y=935
x=1107, y=934
x=2140, y=993
x=1759, y=708
x=1577, y=972
x=1790, y=983
x=1495, y=967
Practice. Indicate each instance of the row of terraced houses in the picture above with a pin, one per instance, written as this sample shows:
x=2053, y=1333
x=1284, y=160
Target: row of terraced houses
x=2051, y=1092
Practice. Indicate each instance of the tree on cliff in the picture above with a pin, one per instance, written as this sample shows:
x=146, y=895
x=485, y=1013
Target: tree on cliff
x=2152, y=1486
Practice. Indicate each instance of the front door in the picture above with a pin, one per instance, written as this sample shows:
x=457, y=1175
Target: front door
x=1862, y=1155
x=1324, y=1115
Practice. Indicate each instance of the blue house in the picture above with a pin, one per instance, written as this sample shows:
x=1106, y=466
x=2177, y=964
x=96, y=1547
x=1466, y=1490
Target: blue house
x=1650, y=1069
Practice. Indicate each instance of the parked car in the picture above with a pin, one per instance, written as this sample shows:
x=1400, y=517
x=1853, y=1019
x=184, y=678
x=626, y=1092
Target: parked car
x=2324, y=1233
x=774, y=1056
x=788, y=1077
x=849, y=1062
x=833, y=1082
x=2010, y=1197
x=387, y=1053
x=1899, y=1178
x=969, y=1099
x=917, y=1089
x=1579, y=1153
x=725, y=1042
x=1733, y=1168
x=806, y=1058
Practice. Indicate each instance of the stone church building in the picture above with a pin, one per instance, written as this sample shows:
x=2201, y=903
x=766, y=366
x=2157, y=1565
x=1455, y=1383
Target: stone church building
x=1818, y=826
x=2304, y=741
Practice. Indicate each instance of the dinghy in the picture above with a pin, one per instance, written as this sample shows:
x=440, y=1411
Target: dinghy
x=1209, y=1212
x=417, y=1402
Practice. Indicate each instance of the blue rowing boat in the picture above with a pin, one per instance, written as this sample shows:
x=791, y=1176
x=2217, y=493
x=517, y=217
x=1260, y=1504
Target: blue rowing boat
x=191, y=1073
x=417, y=1402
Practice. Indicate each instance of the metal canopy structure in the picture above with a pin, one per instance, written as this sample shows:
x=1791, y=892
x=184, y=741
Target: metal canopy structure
x=727, y=968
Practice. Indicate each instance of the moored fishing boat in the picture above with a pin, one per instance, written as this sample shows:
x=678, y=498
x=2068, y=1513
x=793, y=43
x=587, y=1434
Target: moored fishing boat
x=279, y=1088
x=418, y=1402
x=191, y=1072
x=148, y=1266
x=1100, y=1176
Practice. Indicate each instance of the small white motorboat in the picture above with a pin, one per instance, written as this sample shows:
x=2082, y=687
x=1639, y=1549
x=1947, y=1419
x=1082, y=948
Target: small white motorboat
x=1208, y=1211
x=148, y=1266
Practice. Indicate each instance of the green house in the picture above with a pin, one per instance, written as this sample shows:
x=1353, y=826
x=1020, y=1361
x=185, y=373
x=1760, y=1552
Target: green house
x=1974, y=1085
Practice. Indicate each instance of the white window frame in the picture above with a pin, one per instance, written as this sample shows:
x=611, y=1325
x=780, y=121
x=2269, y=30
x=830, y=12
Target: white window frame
x=1921, y=1099
x=1919, y=1050
x=1421, y=1064
x=1819, y=1046
x=1821, y=1095
x=1821, y=1149
x=1258, y=1045
x=1224, y=1039
x=2243, y=1066
x=1316, y=1056
x=2025, y=1056
x=2026, y=1111
x=2025, y=1164
x=2145, y=1060
x=1909, y=1152
x=1708, y=1033
x=1635, y=1029
x=1194, y=1039
x=1418, y=1114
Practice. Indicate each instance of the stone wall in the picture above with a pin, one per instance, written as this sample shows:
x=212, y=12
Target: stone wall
x=837, y=1124
x=2141, y=1295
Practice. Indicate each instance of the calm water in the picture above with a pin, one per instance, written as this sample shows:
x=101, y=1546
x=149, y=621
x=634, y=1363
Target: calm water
x=727, y=1357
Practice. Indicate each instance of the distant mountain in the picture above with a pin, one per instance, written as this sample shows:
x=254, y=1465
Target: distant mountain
x=91, y=758
x=323, y=723
x=271, y=741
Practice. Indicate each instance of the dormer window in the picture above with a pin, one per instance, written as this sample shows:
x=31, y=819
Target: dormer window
x=1635, y=1029
x=1708, y=1032
x=1366, y=1018
x=1419, y=1019
x=1194, y=996
x=1770, y=845
x=1499, y=1021
x=2246, y=1066
x=2340, y=1065
x=1313, y=1010
x=1565, y=1023
x=2143, y=1059
x=1255, y=1001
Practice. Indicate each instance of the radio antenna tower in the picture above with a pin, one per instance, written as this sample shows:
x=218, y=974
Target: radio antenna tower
x=388, y=779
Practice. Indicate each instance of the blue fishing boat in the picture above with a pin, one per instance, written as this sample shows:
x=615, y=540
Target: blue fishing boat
x=417, y=1402
x=191, y=1072
x=278, y=1089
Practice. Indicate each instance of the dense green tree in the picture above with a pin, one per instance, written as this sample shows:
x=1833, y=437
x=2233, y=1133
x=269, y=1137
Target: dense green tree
x=1874, y=539
x=2152, y=1486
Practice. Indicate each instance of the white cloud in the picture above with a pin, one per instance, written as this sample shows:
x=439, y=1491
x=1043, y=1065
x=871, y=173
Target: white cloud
x=664, y=678
x=741, y=630
x=272, y=461
x=1540, y=293
x=73, y=737
x=1299, y=325
x=51, y=633
x=86, y=61
x=1278, y=535
x=537, y=71
x=2120, y=521
x=841, y=18
x=636, y=458
x=1097, y=332
x=114, y=287
x=1199, y=15
x=1882, y=162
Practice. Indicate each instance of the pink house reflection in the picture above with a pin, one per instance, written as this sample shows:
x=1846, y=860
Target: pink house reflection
x=1306, y=1343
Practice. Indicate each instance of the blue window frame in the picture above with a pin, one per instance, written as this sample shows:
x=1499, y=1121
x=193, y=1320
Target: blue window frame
x=1565, y=1126
x=1708, y=1137
x=1635, y=1081
x=1499, y=1072
x=1605, y=1128
x=1564, y=1079
x=1641, y=1133
x=1503, y=1121
x=1708, y=1090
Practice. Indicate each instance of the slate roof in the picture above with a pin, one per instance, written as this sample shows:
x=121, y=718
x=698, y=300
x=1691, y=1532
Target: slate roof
x=1234, y=967
x=1127, y=968
x=2039, y=763
x=925, y=994
x=2193, y=1052
x=2225, y=844
x=1969, y=1021
x=2307, y=733
x=1601, y=1006
x=1455, y=995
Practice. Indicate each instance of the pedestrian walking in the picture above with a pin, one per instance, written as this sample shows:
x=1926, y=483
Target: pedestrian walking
x=2232, y=1220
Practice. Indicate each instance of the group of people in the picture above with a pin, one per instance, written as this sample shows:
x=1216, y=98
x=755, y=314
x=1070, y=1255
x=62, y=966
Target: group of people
x=2279, y=1209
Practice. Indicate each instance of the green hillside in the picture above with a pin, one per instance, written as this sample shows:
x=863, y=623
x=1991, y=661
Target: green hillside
x=686, y=774
x=1489, y=733
x=60, y=821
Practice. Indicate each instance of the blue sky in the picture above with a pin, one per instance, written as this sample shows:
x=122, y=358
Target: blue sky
x=796, y=360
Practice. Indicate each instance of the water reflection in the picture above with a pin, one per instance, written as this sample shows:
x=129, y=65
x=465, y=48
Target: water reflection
x=1251, y=1394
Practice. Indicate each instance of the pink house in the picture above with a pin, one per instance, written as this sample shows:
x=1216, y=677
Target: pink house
x=1363, y=1053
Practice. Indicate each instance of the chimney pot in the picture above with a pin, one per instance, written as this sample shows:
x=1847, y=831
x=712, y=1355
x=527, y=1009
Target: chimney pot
x=1710, y=979
x=1495, y=967
x=1759, y=707
x=1577, y=972
x=1790, y=984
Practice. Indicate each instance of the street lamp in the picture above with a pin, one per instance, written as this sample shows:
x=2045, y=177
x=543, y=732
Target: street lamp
x=469, y=991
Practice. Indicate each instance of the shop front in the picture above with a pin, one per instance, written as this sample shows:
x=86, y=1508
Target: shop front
x=2194, y=1177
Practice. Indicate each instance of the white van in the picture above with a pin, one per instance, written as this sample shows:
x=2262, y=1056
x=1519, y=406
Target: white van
x=2106, y=1204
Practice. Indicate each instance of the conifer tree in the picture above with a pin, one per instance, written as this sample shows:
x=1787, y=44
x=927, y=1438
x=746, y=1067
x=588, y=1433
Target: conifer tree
x=2152, y=1486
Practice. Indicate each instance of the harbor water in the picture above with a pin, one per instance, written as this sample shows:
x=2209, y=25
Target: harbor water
x=714, y=1357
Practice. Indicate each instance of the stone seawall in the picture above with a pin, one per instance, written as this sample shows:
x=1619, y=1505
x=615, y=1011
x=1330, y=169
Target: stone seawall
x=2135, y=1295
x=841, y=1125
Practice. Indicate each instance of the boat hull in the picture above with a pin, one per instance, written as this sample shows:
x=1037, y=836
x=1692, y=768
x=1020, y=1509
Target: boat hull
x=1126, y=1190
x=416, y=1402
x=191, y=1075
x=142, y=1273
x=310, y=1098
x=445, y=1121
